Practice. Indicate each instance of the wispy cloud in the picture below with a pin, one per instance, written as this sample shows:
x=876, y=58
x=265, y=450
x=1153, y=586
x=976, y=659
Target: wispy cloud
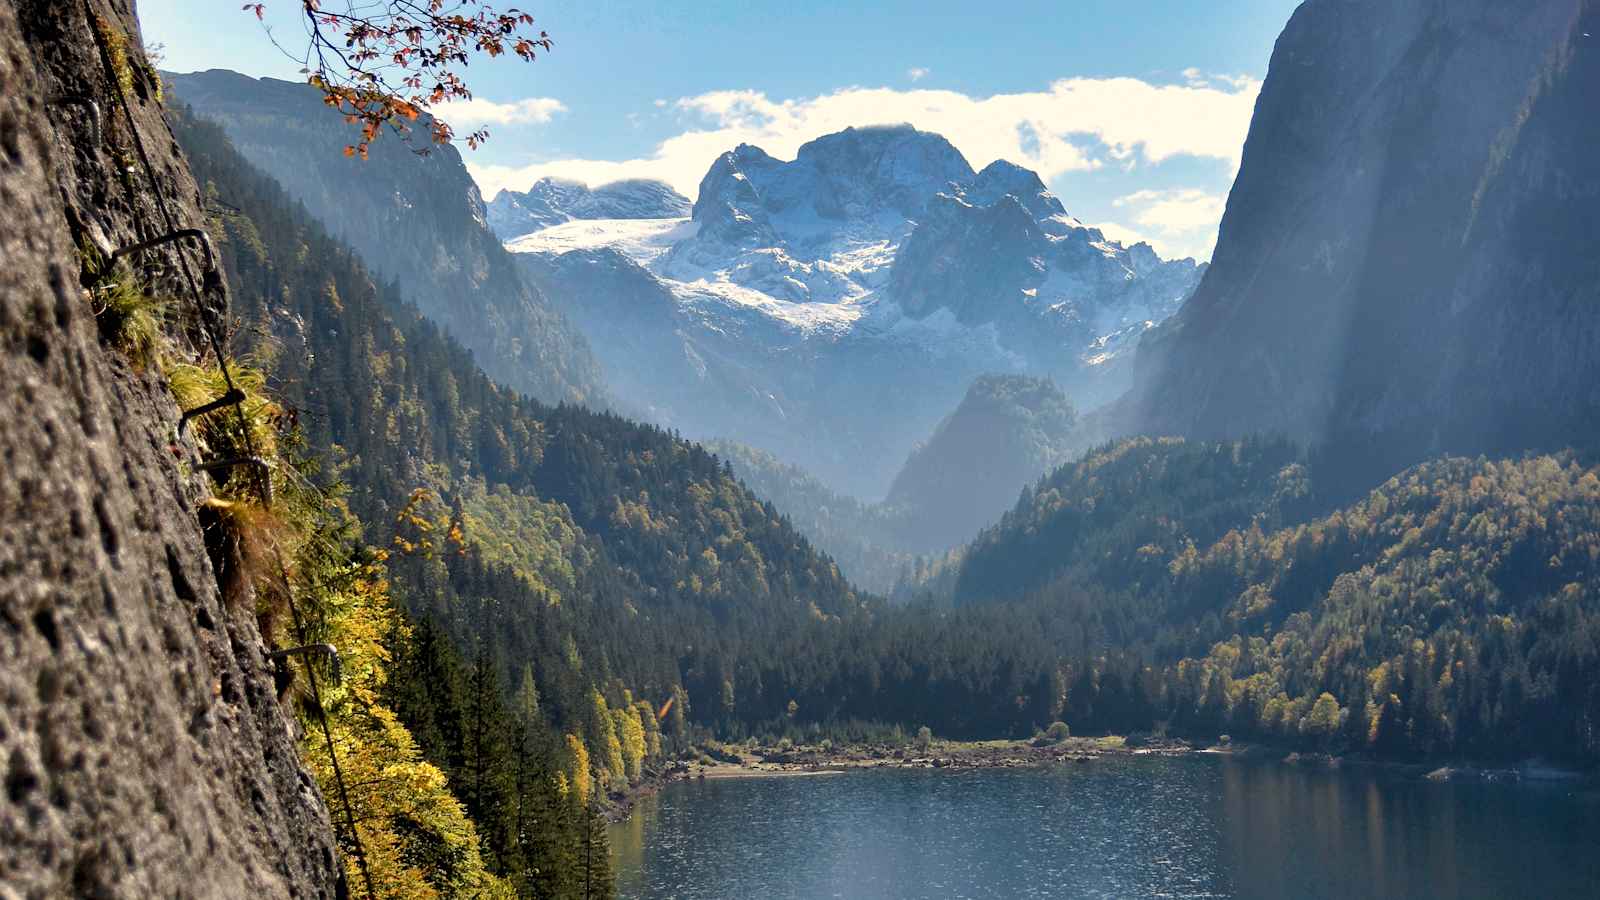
x=1077, y=124
x=1180, y=222
x=917, y=73
x=477, y=112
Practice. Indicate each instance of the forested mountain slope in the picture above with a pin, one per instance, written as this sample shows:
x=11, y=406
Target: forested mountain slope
x=1451, y=610
x=595, y=512
x=1404, y=267
x=581, y=585
x=867, y=540
x=416, y=219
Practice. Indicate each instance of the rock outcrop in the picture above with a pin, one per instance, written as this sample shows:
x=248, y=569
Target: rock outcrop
x=1406, y=265
x=143, y=746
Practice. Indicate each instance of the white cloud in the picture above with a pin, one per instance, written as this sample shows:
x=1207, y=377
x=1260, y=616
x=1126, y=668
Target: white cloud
x=917, y=73
x=464, y=115
x=1077, y=124
x=1180, y=222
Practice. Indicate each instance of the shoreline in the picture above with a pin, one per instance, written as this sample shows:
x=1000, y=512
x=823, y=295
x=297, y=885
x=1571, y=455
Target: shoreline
x=730, y=762
x=737, y=762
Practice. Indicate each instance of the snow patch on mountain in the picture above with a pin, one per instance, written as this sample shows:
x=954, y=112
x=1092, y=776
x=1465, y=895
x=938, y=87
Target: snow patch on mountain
x=833, y=307
x=639, y=239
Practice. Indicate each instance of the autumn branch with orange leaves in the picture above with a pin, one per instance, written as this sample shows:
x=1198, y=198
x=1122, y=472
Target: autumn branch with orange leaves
x=383, y=64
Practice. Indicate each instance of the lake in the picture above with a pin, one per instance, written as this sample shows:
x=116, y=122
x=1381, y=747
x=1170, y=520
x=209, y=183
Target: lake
x=1192, y=826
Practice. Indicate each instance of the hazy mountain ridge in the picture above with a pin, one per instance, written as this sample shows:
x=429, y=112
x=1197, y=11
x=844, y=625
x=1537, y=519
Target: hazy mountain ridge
x=841, y=303
x=415, y=218
x=1007, y=432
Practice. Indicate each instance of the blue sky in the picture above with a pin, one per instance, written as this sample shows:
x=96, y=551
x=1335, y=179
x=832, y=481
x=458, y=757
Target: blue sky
x=1133, y=112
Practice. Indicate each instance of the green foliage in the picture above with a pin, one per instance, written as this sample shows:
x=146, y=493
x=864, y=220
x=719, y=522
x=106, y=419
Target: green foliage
x=536, y=539
x=1451, y=611
x=129, y=318
x=416, y=836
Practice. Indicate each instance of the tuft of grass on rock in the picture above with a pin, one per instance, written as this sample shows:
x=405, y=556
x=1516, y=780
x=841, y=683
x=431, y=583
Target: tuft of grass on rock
x=131, y=320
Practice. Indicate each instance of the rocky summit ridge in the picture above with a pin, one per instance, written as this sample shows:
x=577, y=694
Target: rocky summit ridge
x=834, y=307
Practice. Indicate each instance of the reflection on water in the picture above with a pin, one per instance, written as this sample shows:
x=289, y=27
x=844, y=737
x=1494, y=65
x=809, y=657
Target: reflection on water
x=1145, y=827
x=1299, y=833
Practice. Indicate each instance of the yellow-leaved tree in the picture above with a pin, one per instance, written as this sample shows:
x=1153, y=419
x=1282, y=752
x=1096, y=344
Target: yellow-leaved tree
x=402, y=833
x=417, y=839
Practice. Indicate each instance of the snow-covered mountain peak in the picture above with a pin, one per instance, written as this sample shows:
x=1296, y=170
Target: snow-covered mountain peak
x=553, y=201
x=812, y=298
x=1001, y=178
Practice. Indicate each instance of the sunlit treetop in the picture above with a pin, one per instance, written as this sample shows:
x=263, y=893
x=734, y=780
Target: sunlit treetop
x=382, y=63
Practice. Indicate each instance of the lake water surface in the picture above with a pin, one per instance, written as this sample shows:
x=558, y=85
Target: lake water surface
x=1194, y=826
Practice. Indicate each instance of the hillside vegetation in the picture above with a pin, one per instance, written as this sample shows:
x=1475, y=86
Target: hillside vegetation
x=549, y=560
x=1449, y=611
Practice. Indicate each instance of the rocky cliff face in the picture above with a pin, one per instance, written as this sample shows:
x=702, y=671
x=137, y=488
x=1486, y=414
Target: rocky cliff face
x=144, y=750
x=415, y=218
x=1407, y=257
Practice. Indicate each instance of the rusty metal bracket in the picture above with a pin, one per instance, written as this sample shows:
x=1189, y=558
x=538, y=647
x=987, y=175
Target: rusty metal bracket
x=327, y=650
x=198, y=234
x=84, y=101
x=233, y=397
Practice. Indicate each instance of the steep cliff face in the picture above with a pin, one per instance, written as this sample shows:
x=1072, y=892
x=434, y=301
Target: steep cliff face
x=1407, y=259
x=144, y=750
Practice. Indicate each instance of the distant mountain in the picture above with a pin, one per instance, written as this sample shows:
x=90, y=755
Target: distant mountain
x=864, y=539
x=833, y=308
x=1406, y=265
x=417, y=219
x=552, y=201
x=1008, y=431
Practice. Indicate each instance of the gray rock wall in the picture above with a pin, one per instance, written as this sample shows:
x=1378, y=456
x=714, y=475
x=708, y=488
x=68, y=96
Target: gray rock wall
x=143, y=749
x=1406, y=266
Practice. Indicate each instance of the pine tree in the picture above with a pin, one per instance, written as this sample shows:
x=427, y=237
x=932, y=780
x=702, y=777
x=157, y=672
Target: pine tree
x=595, y=860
